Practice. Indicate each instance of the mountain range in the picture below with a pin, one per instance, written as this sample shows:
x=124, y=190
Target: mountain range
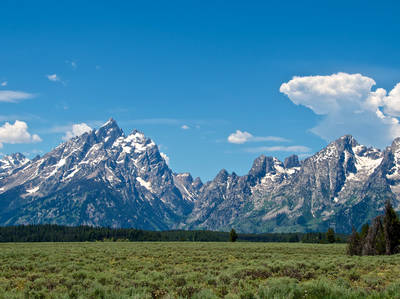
x=105, y=178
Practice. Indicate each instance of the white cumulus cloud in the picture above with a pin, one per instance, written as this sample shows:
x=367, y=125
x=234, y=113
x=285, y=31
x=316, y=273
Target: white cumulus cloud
x=17, y=133
x=4, y=83
x=348, y=105
x=240, y=137
x=165, y=157
x=76, y=130
x=391, y=102
x=324, y=94
x=12, y=96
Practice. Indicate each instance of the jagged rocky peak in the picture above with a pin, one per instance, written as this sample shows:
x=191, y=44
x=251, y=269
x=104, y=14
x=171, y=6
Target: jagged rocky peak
x=12, y=161
x=292, y=161
x=334, y=150
x=102, y=177
x=17, y=159
x=391, y=161
x=187, y=186
x=185, y=177
x=37, y=157
x=346, y=142
x=222, y=176
x=197, y=183
x=109, y=132
x=395, y=144
x=137, y=137
x=136, y=143
x=105, y=177
x=262, y=165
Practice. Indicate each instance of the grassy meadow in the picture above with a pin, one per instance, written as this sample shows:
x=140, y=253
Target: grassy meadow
x=193, y=270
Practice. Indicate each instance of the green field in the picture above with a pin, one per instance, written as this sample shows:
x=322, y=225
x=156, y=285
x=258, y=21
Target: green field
x=193, y=270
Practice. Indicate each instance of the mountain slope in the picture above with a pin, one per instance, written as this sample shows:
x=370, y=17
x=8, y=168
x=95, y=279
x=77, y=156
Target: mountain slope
x=343, y=185
x=105, y=178
x=100, y=178
x=11, y=163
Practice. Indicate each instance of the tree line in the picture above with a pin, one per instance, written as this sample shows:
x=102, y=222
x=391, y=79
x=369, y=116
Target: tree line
x=60, y=233
x=381, y=237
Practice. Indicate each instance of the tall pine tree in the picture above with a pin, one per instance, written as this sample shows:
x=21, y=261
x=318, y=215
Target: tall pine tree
x=391, y=229
x=233, y=235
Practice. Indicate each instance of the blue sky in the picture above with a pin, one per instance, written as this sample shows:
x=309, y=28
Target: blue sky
x=189, y=74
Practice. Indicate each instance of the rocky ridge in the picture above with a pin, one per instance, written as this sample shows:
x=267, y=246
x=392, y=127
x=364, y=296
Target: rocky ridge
x=105, y=178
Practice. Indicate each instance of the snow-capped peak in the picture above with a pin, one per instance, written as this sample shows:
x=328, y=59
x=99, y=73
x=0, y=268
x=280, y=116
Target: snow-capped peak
x=109, y=132
x=136, y=142
x=13, y=161
x=109, y=122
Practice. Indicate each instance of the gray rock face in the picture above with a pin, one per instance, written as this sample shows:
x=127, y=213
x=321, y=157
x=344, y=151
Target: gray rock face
x=188, y=187
x=291, y=161
x=105, y=178
x=343, y=185
x=100, y=178
x=11, y=163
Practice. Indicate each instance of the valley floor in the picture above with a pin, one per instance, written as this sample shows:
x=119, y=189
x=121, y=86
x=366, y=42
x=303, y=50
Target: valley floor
x=193, y=270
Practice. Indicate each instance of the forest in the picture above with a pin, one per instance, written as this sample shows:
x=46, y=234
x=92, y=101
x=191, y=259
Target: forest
x=59, y=233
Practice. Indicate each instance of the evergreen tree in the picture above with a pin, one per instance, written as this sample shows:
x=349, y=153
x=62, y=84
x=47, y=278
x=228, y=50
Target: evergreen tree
x=354, y=245
x=374, y=242
x=381, y=237
x=364, y=231
x=391, y=229
x=233, y=235
x=330, y=235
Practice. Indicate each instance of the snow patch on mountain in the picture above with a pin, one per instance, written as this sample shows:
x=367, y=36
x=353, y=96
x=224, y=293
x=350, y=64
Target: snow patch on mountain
x=394, y=173
x=33, y=190
x=360, y=163
x=10, y=162
x=75, y=170
x=106, y=178
x=144, y=183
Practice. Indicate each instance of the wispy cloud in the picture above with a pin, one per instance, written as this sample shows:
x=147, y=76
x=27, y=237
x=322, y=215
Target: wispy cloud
x=12, y=96
x=72, y=63
x=153, y=121
x=175, y=121
x=4, y=83
x=292, y=148
x=185, y=127
x=13, y=117
x=54, y=78
x=240, y=137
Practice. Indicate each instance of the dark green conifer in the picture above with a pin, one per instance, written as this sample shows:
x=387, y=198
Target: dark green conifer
x=391, y=225
x=330, y=235
x=233, y=235
x=354, y=245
